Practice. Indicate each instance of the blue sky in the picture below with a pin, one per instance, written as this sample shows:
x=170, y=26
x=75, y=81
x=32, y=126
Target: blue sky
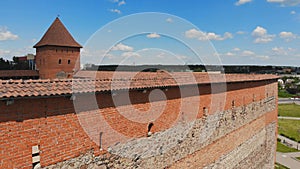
x=263, y=32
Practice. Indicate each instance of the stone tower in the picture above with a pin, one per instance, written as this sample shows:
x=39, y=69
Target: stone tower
x=57, y=53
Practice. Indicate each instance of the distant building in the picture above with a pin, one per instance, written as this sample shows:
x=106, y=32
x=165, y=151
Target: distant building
x=287, y=70
x=28, y=59
x=31, y=61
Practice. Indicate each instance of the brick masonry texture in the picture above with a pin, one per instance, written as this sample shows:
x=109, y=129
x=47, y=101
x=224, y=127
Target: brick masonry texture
x=219, y=130
x=51, y=60
x=259, y=142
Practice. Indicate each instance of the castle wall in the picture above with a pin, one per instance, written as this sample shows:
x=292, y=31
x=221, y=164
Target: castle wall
x=244, y=123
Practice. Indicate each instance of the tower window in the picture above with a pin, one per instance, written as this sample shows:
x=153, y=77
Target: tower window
x=69, y=61
x=59, y=61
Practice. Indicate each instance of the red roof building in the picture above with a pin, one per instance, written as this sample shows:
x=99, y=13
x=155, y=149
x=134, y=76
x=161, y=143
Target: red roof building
x=57, y=53
x=57, y=35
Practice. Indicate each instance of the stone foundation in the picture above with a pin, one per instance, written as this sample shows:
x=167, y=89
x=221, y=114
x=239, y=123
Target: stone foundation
x=218, y=135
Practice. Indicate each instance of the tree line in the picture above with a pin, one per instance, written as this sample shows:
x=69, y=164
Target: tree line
x=15, y=64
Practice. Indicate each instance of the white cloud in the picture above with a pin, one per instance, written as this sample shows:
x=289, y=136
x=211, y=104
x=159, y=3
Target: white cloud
x=240, y=32
x=248, y=53
x=279, y=50
x=181, y=57
x=264, y=39
x=293, y=12
x=122, y=47
x=130, y=54
x=238, y=53
x=109, y=55
x=261, y=35
x=253, y=55
x=4, y=52
x=276, y=1
x=236, y=49
x=90, y=53
x=9, y=53
x=229, y=54
x=153, y=35
x=288, y=36
x=161, y=55
x=259, y=31
x=282, y=51
x=263, y=57
x=285, y=2
x=115, y=11
x=195, y=34
x=228, y=35
x=169, y=20
x=7, y=35
x=121, y=3
x=241, y=2
x=145, y=49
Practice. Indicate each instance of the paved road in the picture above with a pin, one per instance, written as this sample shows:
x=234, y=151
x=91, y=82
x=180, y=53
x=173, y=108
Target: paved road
x=288, y=159
x=292, y=143
x=289, y=118
x=288, y=100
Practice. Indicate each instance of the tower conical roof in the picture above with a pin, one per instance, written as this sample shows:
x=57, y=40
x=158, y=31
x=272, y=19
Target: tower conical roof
x=57, y=35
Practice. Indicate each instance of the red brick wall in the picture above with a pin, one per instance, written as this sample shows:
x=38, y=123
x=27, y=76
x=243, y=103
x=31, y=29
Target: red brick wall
x=47, y=61
x=53, y=124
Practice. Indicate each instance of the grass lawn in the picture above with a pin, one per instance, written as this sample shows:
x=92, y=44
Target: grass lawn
x=290, y=110
x=290, y=128
x=280, y=166
x=284, y=149
x=285, y=94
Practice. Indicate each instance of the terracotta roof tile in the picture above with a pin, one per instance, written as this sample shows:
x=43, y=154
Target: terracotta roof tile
x=107, y=81
x=57, y=35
